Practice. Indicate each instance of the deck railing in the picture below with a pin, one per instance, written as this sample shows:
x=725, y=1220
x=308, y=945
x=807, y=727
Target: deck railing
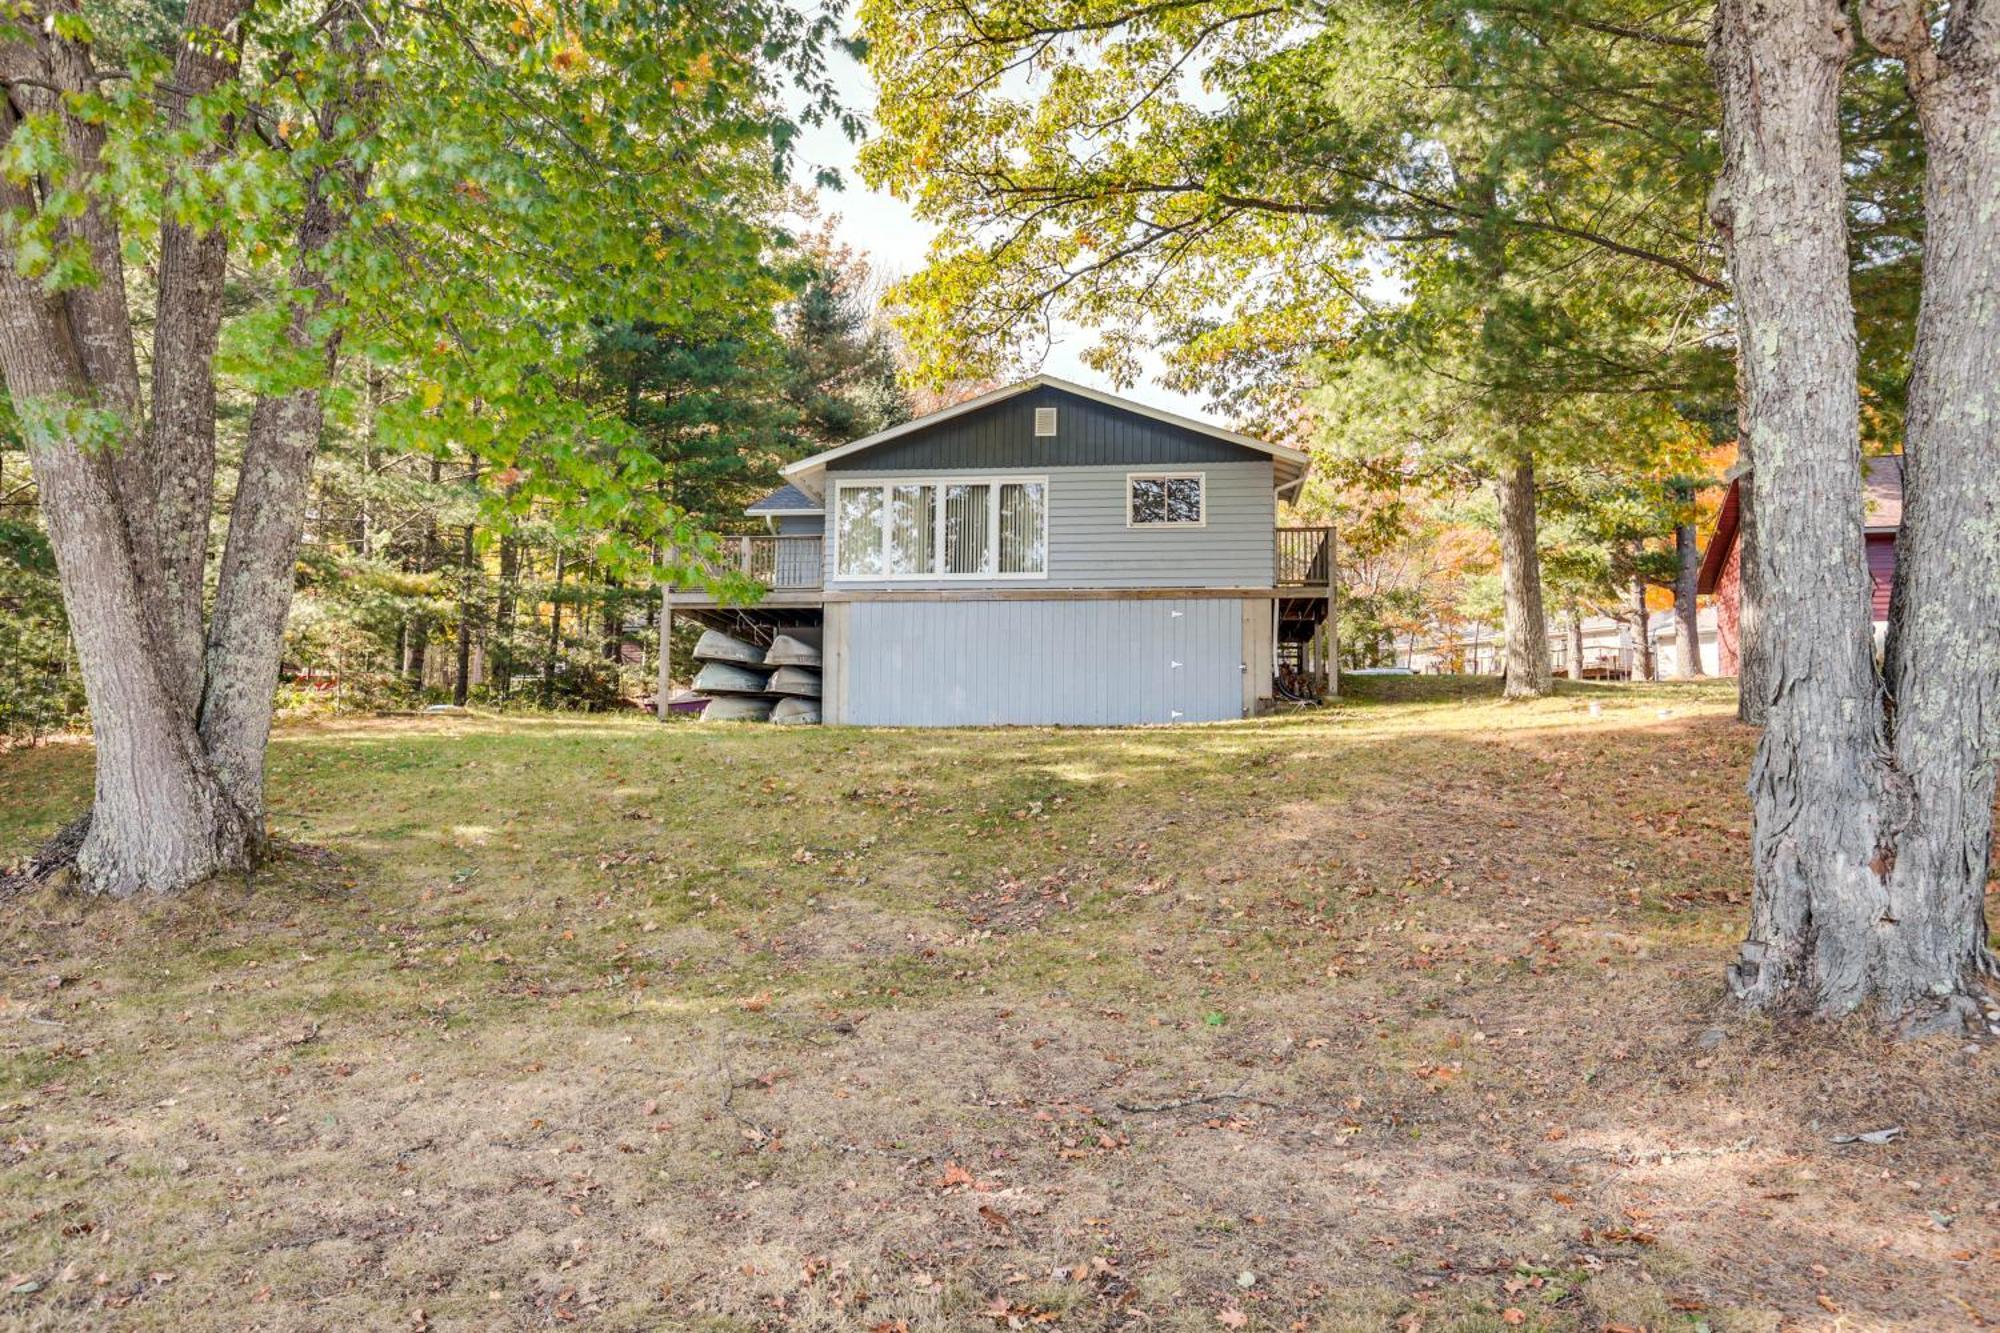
x=1305, y=557
x=776, y=562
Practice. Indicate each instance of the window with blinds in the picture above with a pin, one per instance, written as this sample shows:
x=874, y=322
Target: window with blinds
x=957, y=529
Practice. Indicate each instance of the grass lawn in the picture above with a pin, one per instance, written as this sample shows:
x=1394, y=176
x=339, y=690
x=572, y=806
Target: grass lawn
x=1401, y=1015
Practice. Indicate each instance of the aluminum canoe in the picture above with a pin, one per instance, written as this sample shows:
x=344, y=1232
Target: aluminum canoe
x=802, y=712
x=729, y=678
x=715, y=646
x=736, y=708
x=792, y=650
x=802, y=681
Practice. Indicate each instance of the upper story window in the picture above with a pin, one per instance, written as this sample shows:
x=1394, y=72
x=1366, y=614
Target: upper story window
x=1166, y=499
x=970, y=528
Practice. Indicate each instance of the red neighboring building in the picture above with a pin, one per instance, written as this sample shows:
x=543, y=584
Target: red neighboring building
x=1721, y=565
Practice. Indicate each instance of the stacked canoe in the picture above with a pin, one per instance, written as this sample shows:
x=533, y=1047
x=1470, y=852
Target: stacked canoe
x=746, y=683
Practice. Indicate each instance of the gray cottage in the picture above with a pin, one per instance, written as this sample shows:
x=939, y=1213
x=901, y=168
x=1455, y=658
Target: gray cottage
x=1044, y=553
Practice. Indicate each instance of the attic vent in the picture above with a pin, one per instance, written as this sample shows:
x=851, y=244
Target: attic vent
x=1045, y=421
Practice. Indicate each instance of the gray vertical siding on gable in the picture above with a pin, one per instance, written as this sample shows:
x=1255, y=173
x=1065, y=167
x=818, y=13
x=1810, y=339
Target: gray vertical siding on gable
x=1088, y=433
x=1079, y=663
x=801, y=525
x=1090, y=545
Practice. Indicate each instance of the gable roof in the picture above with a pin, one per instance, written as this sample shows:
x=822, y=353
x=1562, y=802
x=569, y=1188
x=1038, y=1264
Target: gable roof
x=1882, y=493
x=806, y=474
x=787, y=499
x=1881, y=512
x=1722, y=542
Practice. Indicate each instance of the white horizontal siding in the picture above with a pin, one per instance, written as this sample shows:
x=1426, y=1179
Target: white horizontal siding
x=1091, y=546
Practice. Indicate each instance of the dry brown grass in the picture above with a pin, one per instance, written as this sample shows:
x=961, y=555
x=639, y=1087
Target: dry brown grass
x=1384, y=1018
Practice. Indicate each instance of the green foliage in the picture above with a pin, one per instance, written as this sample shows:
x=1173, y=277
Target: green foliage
x=723, y=405
x=386, y=583
x=1371, y=624
x=504, y=183
x=41, y=690
x=1603, y=530
x=1240, y=184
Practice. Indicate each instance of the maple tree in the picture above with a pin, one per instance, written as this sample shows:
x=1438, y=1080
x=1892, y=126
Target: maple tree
x=465, y=189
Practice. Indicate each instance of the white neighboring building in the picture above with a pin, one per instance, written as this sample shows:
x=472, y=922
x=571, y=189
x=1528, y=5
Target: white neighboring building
x=1609, y=652
x=1666, y=632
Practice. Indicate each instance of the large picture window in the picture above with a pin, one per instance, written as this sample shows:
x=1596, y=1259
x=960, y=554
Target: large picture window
x=858, y=519
x=1166, y=499
x=956, y=529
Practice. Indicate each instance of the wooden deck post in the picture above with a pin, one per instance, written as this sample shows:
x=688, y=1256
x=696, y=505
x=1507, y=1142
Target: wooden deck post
x=1332, y=626
x=665, y=688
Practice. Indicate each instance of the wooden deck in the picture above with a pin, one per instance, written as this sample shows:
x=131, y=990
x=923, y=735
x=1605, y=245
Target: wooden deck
x=792, y=571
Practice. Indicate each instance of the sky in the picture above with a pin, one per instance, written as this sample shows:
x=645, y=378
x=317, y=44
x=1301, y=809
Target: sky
x=895, y=240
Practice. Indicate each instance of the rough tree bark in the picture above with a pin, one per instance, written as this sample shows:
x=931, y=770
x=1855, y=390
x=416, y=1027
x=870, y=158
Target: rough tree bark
x=1819, y=899
x=1687, y=661
x=1752, y=680
x=1943, y=653
x=1528, y=674
x=1645, y=666
x=117, y=496
x=1576, y=645
x=180, y=712
x=253, y=590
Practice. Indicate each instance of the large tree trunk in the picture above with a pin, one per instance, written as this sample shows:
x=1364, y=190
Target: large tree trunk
x=1687, y=662
x=1645, y=666
x=120, y=503
x=1818, y=894
x=1943, y=653
x=159, y=816
x=253, y=591
x=1752, y=677
x=180, y=716
x=181, y=444
x=1527, y=670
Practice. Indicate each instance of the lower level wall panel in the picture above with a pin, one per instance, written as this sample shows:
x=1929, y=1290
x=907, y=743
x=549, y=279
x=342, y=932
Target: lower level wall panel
x=1081, y=663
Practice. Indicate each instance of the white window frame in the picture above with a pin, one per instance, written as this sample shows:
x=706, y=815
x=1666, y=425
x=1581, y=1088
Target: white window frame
x=992, y=482
x=1201, y=477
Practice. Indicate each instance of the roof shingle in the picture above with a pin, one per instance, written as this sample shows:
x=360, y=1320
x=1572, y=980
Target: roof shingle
x=787, y=499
